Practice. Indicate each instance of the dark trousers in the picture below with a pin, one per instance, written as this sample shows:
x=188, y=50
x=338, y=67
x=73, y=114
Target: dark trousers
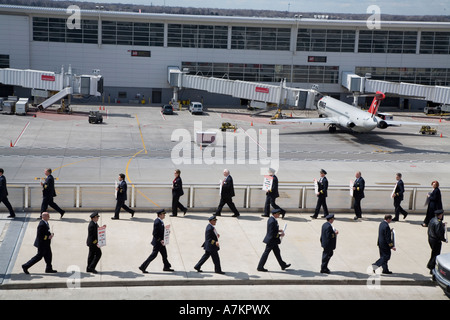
x=158, y=248
x=385, y=256
x=357, y=207
x=48, y=201
x=230, y=203
x=44, y=252
x=95, y=253
x=215, y=258
x=326, y=256
x=176, y=205
x=321, y=202
x=270, y=201
x=435, y=246
x=8, y=205
x=398, y=208
x=276, y=251
x=121, y=205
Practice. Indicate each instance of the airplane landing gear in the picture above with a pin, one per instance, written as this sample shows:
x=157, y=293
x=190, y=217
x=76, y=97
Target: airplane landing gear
x=332, y=128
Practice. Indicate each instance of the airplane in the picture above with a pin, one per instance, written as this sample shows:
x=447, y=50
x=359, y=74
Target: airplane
x=336, y=113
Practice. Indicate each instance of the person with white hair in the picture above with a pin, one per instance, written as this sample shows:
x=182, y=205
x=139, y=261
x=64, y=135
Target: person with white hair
x=227, y=194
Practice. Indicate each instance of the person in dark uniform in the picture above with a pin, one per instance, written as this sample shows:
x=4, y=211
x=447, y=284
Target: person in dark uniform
x=322, y=195
x=158, y=243
x=434, y=200
x=42, y=243
x=48, y=193
x=4, y=195
x=328, y=242
x=211, y=246
x=177, y=192
x=272, y=240
x=358, y=194
x=436, y=235
x=121, y=198
x=95, y=253
x=398, y=198
x=227, y=194
x=385, y=245
x=271, y=195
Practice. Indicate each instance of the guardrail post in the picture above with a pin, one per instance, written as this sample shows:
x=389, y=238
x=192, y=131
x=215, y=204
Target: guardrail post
x=26, y=203
x=247, y=197
x=133, y=196
x=77, y=196
x=191, y=196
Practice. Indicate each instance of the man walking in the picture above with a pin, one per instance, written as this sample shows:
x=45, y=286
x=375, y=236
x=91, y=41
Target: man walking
x=95, y=253
x=385, y=245
x=4, y=195
x=48, y=193
x=271, y=195
x=211, y=246
x=158, y=243
x=436, y=235
x=42, y=243
x=358, y=194
x=121, y=198
x=328, y=242
x=227, y=194
x=322, y=194
x=272, y=240
x=398, y=197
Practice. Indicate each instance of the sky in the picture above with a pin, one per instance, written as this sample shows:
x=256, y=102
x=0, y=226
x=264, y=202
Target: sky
x=404, y=7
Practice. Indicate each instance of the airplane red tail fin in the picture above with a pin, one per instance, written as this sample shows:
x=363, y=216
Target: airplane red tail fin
x=376, y=103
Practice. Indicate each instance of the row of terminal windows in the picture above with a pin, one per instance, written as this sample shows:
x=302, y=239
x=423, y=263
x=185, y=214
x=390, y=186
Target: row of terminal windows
x=424, y=76
x=242, y=38
x=4, y=60
x=264, y=72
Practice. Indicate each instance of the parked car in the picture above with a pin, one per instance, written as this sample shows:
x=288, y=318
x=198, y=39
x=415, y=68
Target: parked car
x=167, y=109
x=441, y=273
x=196, y=107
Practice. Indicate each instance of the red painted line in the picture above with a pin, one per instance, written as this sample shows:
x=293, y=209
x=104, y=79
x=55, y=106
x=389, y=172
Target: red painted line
x=21, y=134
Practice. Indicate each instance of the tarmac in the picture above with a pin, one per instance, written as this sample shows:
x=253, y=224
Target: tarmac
x=128, y=245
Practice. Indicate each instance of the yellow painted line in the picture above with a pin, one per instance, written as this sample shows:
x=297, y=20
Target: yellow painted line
x=140, y=131
x=380, y=150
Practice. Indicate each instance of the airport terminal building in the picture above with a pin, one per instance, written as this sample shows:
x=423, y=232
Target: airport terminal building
x=134, y=50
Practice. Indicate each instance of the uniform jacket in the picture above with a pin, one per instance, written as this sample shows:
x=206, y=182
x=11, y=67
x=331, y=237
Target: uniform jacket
x=158, y=232
x=92, y=238
x=42, y=235
x=48, y=188
x=399, y=189
x=122, y=192
x=272, y=237
x=435, y=200
x=359, y=184
x=227, y=187
x=328, y=237
x=274, y=191
x=3, y=189
x=385, y=236
x=210, y=239
x=436, y=230
x=177, y=187
x=323, y=186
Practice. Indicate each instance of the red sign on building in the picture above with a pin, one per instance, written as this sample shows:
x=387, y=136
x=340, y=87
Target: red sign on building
x=262, y=90
x=47, y=78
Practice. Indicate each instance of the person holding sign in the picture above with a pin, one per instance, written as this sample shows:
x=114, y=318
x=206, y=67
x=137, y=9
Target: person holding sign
x=272, y=241
x=227, y=194
x=271, y=195
x=358, y=194
x=397, y=194
x=322, y=193
x=95, y=253
x=158, y=243
x=211, y=246
x=385, y=245
x=436, y=235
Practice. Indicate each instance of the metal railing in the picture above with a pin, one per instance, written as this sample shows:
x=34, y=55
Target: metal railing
x=204, y=197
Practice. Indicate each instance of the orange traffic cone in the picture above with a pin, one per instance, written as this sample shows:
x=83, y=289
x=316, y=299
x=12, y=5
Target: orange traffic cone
x=441, y=135
x=251, y=124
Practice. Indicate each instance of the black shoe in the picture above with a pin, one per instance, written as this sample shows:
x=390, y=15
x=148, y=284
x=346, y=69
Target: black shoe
x=327, y=271
x=286, y=266
x=395, y=219
x=25, y=270
x=219, y=272
x=184, y=211
x=262, y=270
x=173, y=215
x=198, y=269
x=265, y=215
x=405, y=215
x=51, y=271
x=314, y=217
x=62, y=213
x=143, y=270
x=235, y=215
x=114, y=218
x=283, y=213
x=387, y=272
x=217, y=214
x=168, y=269
x=11, y=216
x=132, y=213
x=91, y=270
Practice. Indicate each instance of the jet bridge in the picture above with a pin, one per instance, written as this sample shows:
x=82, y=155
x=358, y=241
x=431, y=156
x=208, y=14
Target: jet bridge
x=53, y=86
x=268, y=94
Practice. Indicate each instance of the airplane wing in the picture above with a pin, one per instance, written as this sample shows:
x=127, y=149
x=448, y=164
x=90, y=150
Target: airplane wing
x=409, y=123
x=310, y=120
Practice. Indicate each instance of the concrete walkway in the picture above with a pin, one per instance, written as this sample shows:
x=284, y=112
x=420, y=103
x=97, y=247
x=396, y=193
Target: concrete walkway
x=128, y=245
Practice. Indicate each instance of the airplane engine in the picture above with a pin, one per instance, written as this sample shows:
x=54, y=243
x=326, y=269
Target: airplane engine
x=345, y=122
x=382, y=124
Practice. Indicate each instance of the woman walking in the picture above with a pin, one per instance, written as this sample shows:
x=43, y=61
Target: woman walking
x=434, y=201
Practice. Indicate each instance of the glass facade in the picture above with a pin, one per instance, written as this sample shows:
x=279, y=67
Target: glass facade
x=4, y=60
x=133, y=33
x=435, y=43
x=197, y=36
x=259, y=38
x=378, y=41
x=264, y=72
x=55, y=30
x=324, y=40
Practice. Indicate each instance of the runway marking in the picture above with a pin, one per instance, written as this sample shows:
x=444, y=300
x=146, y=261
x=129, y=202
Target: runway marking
x=21, y=134
x=162, y=115
x=253, y=140
x=134, y=156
